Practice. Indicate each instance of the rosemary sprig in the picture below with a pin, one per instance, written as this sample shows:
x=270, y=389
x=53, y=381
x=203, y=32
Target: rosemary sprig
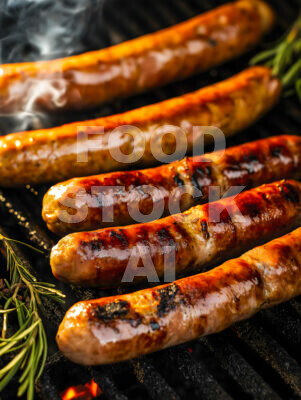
x=22, y=297
x=285, y=60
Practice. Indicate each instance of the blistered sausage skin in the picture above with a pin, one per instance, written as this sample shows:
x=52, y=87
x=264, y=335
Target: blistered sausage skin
x=53, y=155
x=199, y=237
x=93, y=78
x=248, y=165
x=119, y=328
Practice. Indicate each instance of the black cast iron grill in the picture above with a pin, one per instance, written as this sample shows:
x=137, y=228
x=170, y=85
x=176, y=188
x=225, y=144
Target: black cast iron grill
x=256, y=359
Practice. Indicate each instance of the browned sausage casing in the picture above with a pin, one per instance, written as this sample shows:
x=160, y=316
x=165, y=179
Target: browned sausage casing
x=118, y=328
x=131, y=67
x=249, y=165
x=51, y=155
x=201, y=236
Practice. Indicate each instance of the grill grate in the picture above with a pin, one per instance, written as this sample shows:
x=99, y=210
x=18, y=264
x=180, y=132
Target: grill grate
x=256, y=359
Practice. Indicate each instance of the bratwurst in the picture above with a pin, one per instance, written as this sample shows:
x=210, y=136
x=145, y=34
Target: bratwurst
x=93, y=78
x=102, y=145
x=118, y=328
x=86, y=203
x=199, y=237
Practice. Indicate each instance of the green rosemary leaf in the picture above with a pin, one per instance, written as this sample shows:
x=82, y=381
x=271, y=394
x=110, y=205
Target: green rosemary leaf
x=263, y=56
x=285, y=60
x=23, y=298
x=12, y=338
x=20, y=314
x=10, y=375
x=13, y=362
x=7, y=311
x=298, y=88
x=22, y=335
x=15, y=348
x=22, y=243
x=44, y=351
x=30, y=361
x=292, y=74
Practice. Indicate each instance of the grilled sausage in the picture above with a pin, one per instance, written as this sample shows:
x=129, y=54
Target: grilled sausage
x=118, y=328
x=56, y=154
x=122, y=70
x=199, y=237
x=249, y=165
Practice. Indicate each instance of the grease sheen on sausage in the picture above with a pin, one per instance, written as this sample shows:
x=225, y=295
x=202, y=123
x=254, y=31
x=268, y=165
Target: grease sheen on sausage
x=52, y=155
x=131, y=67
x=199, y=237
x=118, y=328
x=249, y=165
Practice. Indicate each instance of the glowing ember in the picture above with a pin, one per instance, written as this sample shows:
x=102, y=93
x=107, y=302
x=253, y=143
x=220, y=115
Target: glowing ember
x=82, y=392
x=94, y=388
